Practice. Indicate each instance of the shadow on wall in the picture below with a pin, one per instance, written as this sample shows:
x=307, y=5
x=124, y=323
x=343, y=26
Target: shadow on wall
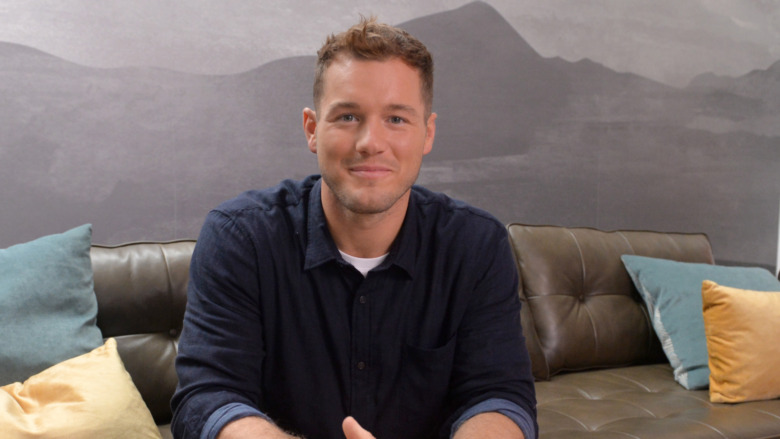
x=144, y=153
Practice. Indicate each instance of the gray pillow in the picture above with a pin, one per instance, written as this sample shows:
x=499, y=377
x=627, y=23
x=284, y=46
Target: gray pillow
x=48, y=307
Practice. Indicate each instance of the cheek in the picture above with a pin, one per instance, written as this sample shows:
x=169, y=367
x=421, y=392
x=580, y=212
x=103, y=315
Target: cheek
x=412, y=150
x=330, y=152
x=335, y=142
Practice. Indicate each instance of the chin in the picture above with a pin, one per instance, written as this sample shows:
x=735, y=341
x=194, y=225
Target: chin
x=372, y=204
x=369, y=208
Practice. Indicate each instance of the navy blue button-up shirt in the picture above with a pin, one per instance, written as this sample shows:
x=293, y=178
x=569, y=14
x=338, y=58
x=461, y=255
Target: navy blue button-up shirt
x=276, y=320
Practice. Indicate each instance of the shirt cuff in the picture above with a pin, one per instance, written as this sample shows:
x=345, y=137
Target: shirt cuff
x=226, y=414
x=506, y=408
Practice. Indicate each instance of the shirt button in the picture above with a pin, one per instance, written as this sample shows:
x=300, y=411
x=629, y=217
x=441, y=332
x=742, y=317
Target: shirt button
x=361, y=365
x=362, y=299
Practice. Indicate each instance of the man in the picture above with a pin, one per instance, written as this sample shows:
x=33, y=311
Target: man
x=355, y=304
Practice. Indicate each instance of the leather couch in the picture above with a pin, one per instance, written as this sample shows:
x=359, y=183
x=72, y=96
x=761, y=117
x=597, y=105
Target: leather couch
x=599, y=368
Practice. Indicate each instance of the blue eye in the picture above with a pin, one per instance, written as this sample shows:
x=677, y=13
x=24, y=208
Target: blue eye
x=347, y=117
x=396, y=120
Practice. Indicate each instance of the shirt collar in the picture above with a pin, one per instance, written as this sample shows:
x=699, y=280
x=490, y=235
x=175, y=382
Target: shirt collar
x=320, y=247
x=403, y=252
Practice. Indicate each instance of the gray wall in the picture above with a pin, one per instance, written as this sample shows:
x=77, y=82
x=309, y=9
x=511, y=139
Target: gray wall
x=140, y=116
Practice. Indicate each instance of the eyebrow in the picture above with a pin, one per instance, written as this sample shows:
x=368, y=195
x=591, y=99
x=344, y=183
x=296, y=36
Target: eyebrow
x=340, y=105
x=402, y=107
x=346, y=105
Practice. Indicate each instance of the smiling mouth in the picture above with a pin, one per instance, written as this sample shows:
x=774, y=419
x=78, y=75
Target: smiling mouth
x=367, y=171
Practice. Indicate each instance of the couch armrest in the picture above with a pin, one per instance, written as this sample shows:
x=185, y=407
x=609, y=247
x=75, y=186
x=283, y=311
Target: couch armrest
x=141, y=292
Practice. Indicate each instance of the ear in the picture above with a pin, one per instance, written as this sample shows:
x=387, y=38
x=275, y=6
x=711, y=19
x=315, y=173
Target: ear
x=430, y=133
x=310, y=128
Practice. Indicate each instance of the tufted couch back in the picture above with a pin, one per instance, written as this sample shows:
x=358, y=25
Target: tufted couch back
x=141, y=292
x=580, y=308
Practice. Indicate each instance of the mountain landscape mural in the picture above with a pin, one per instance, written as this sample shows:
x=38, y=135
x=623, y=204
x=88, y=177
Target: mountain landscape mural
x=144, y=153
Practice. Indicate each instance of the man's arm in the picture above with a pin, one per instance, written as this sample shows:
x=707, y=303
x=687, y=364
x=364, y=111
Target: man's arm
x=492, y=365
x=255, y=427
x=220, y=348
x=491, y=424
x=252, y=428
x=496, y=406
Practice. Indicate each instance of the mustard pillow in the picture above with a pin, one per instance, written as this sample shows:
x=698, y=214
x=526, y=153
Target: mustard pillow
x=741, y=327
x=89, y=396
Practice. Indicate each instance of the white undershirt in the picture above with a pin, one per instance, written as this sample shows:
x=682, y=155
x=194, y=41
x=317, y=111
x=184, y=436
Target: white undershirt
x=363, y=265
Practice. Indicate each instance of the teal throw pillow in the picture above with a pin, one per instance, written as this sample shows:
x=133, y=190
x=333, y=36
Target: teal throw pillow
x=672, y=292
x=48, y=307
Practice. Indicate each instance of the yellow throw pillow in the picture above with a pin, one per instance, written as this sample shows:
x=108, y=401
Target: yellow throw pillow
x=89, y=396
x=742, y=328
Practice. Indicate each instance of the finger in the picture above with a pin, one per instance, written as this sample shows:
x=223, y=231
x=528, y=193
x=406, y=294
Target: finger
x=353, y=430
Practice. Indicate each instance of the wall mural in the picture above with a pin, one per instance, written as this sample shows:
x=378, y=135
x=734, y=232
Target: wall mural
x=143, y=153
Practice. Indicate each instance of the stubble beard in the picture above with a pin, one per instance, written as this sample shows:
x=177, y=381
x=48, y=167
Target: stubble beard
x=377, y=204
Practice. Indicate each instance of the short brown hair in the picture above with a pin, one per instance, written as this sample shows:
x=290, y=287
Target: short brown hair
x=372, y=41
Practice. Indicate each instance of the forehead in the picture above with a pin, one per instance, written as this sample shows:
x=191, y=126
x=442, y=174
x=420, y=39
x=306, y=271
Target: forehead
x=391, y=79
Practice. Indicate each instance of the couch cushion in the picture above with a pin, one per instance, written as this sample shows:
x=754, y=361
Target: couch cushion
x=672, y=292
x=141, y=292
x=742, y=328
x=47, y=305
x=581, y=310
x=165, y=431
x=644, y=402
x=89, y=396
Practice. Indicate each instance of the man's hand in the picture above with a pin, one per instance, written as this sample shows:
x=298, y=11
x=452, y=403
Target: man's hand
x=353, y=430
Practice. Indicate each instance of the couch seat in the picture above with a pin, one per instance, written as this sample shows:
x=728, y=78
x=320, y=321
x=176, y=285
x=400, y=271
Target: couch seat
x=644, y=402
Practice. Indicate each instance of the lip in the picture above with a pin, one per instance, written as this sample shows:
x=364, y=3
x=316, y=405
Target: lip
x=369, y=171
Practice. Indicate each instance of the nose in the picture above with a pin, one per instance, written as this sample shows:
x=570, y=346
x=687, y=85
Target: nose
x=371, y=139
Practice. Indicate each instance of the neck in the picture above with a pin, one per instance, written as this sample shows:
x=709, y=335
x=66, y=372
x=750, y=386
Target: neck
x=359, y=234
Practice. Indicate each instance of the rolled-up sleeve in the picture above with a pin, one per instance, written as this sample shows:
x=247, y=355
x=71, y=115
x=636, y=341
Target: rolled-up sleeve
x=227, y=414
x=491, y=361
x=220, y=349
x=520, y=417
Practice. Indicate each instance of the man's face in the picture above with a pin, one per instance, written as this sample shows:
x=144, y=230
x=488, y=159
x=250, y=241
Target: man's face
x=370, y=134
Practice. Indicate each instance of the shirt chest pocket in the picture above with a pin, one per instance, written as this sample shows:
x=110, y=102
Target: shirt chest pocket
x=425, y=379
